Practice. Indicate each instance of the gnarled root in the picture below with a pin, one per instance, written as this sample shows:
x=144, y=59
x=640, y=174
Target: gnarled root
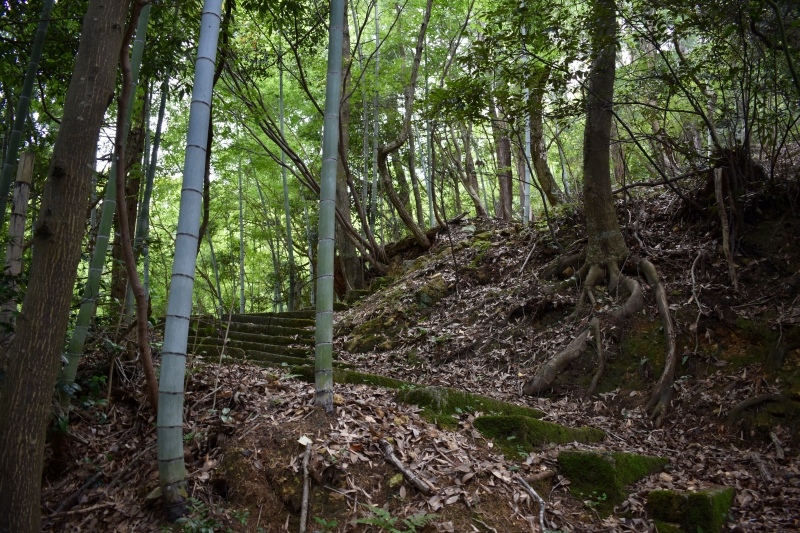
x=601, y=360
x=661, y=396
x=550, y=371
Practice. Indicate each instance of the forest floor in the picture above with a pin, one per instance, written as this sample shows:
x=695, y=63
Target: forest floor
x=472, y=313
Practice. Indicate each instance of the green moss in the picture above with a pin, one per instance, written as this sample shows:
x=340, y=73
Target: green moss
x=431, y=292
x=440, y=403
x=704, y=510
x=664, y=527
x=521, y=433
x=341, y=375
x=370, y=326
x=600, y=477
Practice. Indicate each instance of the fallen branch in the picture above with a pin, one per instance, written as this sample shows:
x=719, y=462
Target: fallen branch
x=80, y=511
x=304, y=507
x=388, y=453
x=72, y=498
x=533, y=493
x=540, y=476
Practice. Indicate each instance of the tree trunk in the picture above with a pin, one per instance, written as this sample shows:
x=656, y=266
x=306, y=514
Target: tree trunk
x=503, y=208
x=521, y=170
x=412, y=170
x=605, y=238
x=538, y=148
x=34, y=357
x=350, y=262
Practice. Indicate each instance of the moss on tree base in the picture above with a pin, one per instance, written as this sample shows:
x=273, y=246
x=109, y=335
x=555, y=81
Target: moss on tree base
x=704, y=510
x=599, y=477
x=440, y=403
x=522, y=433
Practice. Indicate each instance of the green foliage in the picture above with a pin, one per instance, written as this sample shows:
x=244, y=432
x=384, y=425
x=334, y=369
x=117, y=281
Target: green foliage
x=385, y=521
x=202, y=519
x=326, y=525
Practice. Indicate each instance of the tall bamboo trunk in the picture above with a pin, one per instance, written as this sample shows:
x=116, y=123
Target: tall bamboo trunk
x=26, y=391
x=171, y=466
x=22, y=108
x=327, y=212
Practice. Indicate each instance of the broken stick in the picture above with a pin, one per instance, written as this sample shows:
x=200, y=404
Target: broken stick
x=304, y=508
x=388, y=453
x=533, y=493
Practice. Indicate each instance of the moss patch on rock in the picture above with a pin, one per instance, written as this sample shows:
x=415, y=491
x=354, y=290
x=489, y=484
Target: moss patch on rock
x=599, y=477
x=440, y=403
x=431, y=292
x=704, y=510
x=516, y=433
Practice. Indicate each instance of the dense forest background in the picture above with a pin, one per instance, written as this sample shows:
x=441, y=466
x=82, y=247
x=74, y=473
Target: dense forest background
x=572, y=121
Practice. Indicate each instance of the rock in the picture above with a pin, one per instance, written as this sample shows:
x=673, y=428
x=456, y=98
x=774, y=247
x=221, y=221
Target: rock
x=599, y=477
x=483, y=236
x=431, y=292
x=468, y=229
x=515, y=431
x=704, y=510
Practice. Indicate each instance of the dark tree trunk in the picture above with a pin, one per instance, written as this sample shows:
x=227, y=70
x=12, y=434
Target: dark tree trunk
x=34, y=358
x=605, y=238
x=353, y=270
x=503, y=147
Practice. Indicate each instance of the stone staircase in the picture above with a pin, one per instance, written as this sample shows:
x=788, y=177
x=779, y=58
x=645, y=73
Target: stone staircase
x=271, y=338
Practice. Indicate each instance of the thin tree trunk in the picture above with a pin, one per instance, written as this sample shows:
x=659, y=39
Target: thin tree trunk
x=241, y=242
x=538, y=148
x=373, y=204
x=27, y=389
x=412, y=170
x=503, y=209
x=171, y=466
x=286, y=209
x=16, y=239
x=15, y=138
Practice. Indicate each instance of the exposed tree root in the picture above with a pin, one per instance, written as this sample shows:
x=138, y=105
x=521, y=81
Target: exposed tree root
x=618, y=283
x=550, y=371
x=601, y=360
x=662, y=393
x=775, y=360
x=755, y=400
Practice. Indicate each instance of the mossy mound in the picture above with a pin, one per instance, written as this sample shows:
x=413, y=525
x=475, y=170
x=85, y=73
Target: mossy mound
x=599, y=477
x=431, y=292
x=440, y=403
x=704, y=510
x=522, y=434
x=375, y=334
x=341, y=375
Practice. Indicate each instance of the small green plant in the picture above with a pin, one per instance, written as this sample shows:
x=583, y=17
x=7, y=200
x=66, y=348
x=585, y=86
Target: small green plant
x=595, y=500
x=326, y=525
x=201, y=520
x=384, y=520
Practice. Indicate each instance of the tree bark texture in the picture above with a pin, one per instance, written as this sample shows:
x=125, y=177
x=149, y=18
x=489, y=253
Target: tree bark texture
x=27, y=390
x=504, y=178
x=605, y=238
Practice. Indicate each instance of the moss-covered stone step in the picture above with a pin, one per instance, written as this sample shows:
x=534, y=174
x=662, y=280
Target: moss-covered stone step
x=270, y=339
x=302, y=313
x=206, y=350
x=305, y=319
x=440, y=403
x=599, y=477
x=521, y=433
x=280, y=331
x=259, y=347
x=704, y=510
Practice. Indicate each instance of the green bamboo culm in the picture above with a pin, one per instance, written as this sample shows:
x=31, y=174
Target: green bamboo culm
x=143, y=220
x=22, y=109
x=92, y=288
x=286, y=209
x=171, y=466
x=327, y=207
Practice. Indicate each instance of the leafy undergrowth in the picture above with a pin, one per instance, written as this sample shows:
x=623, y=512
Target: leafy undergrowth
x=481, y=324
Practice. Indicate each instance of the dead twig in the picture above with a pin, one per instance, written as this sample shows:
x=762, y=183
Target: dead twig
x=304, y=507
x=538, y=498
x=221, y=352
x=72, y=498
x=388, y=453
x=723, y=218
x=779, y=453
x=601, y=358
